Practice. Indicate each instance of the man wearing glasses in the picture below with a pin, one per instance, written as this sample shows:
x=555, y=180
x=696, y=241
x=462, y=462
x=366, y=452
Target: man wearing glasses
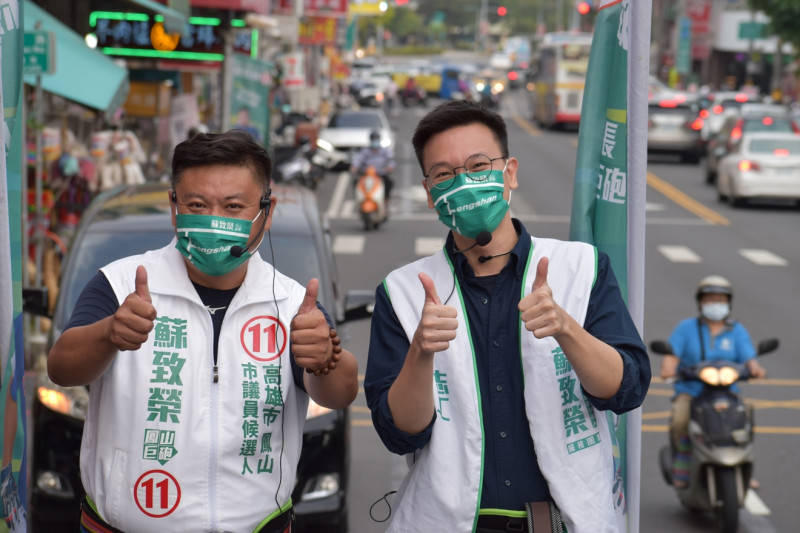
x=491, y=361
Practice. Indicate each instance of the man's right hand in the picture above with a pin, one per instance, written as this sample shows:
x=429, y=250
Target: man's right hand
x=134, y=319
x=438, y=324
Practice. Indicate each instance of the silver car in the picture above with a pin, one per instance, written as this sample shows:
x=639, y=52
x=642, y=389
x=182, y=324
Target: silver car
x=762, y=165
x=348, y=131
x=674, y=127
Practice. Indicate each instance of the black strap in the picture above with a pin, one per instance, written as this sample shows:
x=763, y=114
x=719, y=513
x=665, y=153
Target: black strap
x=702, y=341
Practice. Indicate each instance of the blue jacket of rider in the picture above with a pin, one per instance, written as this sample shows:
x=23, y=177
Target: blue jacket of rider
x=381, y=158
x=732, y=344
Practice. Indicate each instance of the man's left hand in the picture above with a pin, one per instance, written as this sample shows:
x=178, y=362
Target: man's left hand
x=311, y=334
x=539, y=311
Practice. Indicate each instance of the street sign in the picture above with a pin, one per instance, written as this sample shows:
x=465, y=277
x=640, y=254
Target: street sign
x=38, y=52
x=751, y=30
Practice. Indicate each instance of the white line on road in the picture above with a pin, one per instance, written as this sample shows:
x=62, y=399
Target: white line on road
x=349, y=244
x=428, y=245
x=755, y=505
x=679, y=254
x=338, y=195
x=763, y=257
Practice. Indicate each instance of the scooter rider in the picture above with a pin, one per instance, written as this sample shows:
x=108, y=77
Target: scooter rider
x=375, y=155
x=711, y=336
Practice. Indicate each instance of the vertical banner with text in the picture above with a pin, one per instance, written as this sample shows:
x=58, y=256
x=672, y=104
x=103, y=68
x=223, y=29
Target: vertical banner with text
x=609, y=193
x=13, y=482
x=252, y=81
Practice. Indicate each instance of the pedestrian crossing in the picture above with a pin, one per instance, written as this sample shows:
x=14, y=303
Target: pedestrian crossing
x=355, y=244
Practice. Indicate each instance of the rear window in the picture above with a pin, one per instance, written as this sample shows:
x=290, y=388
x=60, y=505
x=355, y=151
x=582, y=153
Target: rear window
x=295, y=256
x=775, y=146
x=356, y=120
x=778, y=124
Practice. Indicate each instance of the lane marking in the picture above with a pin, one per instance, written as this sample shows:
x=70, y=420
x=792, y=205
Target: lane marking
x=755, y=505
x=679, y=254
x=685, y=201
x=349, y=244
x=768, y=430
x=529, y=128
x=425, y=246
x=763, y=257
x=338, y=195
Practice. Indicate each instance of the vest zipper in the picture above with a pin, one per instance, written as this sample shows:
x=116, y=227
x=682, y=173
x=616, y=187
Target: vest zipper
x=216, y=374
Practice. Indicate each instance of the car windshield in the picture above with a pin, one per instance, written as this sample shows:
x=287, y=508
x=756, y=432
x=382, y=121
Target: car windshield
x=778, y=147
x=294, y=254
x=356, y=120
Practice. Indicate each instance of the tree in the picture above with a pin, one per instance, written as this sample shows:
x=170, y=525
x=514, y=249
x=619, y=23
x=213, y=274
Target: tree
x=784, y=18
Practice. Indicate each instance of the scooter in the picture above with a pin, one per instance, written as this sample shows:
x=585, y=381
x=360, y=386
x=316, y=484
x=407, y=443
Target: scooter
x=371, y=196
x=721, y=436
x=298, y=164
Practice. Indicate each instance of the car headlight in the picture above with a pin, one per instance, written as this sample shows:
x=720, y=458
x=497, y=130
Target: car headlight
x=315, y=410
x=498, y=87
x=70, y=401
x=325, y=145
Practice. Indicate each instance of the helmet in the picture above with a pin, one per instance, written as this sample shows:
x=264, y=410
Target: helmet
x=374, y=135
x=714, y=285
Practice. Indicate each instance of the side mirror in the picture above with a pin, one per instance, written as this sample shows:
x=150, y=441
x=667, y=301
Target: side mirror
x=767, y=346
x=661, y=347
x=35, y=300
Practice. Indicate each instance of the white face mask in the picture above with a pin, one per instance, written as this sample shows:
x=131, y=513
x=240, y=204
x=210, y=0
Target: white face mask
x=715, y=311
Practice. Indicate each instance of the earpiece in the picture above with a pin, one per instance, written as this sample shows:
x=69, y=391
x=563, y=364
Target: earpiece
x=174, y=198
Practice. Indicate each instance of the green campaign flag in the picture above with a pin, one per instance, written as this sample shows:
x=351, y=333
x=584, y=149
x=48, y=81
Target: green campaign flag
x=609, y=193
x=252, y=79
x=13, y=481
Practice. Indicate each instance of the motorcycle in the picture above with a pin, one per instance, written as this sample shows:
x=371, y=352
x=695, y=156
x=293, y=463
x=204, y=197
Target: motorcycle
x=412, y=97
x=721, y=437
x=371, y=196
x=298, y=164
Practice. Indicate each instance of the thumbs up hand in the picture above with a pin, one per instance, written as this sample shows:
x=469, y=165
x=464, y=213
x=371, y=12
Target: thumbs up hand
x=438, y=324
x=539, y=311
x=311, y=336
x=135, y=318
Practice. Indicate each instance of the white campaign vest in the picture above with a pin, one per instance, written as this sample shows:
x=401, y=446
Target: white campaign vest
x=167, y=449
x=571, y=438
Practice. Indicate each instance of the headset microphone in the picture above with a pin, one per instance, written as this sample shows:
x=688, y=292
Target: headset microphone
x=481, y=239
x=237, y=251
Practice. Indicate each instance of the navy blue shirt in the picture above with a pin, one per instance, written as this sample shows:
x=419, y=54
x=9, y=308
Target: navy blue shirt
x=511, y=474
x=97, y=301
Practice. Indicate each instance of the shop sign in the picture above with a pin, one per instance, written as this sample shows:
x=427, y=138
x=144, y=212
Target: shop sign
x=318, y=30
x=313, y=8
x=253, y=6
x=139, y=35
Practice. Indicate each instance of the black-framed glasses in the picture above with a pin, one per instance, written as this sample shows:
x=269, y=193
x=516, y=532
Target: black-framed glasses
x=477, y=167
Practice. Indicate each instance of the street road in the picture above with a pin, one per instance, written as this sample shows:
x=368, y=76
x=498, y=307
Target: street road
x=688, y=235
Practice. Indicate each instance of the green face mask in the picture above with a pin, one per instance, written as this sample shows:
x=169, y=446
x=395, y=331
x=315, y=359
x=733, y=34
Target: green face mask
x=469, y=207
x=207, y=240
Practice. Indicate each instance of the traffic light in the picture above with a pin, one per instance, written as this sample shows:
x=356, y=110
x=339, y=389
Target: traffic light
x=583, y=7
x=501, y=11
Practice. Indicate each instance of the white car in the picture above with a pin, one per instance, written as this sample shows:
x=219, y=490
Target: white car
x=763, y=165
x=719, y=106
x=347, y=132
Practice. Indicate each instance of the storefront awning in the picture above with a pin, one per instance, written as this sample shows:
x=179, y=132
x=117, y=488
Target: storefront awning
x=174, y=21
x=82, y=75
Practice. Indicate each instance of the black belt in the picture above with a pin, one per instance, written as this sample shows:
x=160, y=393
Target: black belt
x=541, y=517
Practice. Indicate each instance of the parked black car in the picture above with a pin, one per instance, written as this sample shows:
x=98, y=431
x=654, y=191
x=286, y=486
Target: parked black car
x=130, y=220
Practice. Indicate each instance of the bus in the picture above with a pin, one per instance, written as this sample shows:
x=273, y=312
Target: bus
x=559, y=69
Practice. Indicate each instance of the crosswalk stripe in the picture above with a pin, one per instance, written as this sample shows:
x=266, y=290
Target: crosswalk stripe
x=349, y=244
x=679, y=254
x=755, y=505
x=763, y=257
x=428, y=245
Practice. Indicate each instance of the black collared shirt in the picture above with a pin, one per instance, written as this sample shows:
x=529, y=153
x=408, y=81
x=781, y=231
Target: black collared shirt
x=511, y=473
